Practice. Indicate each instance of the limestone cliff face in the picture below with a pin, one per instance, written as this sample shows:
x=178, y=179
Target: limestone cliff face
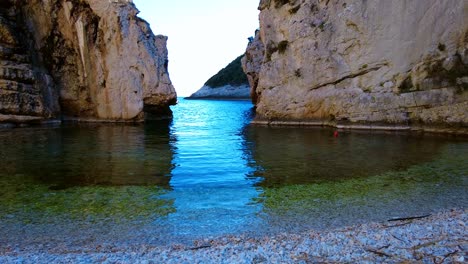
x=89, y=60
x=363, y=62
x=252, y=63
x=27, y=92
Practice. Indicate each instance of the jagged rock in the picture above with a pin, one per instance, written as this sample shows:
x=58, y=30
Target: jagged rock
x=252, y=63
x=84, y=59
x=26, y=93
x=363, y=62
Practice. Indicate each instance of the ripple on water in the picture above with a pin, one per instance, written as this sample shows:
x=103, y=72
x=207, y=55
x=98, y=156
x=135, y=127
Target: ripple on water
x=208, y=172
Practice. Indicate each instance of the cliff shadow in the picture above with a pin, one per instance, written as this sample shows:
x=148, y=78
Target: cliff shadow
x=90, y=154
x=284, y=156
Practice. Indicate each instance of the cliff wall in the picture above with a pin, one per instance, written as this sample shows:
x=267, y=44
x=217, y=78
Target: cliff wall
x=81, y=59
x=359, y=63
x=252, y=64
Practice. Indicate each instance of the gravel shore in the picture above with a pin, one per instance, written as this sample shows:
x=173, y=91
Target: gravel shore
x=439, y=238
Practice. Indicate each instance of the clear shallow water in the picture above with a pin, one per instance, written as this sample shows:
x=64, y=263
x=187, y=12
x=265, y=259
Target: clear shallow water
x=208, y=172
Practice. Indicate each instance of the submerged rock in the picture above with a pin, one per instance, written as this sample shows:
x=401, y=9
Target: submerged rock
x=362, y=62
x=84, y=60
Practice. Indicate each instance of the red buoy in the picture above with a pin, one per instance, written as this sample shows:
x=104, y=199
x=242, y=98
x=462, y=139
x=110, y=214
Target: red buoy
x=335, y=134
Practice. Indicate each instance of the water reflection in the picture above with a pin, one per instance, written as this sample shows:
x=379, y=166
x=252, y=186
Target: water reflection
x=311, y=179
x=220, y=175
x=82, y=155
x=286, y=155
x=211, y=189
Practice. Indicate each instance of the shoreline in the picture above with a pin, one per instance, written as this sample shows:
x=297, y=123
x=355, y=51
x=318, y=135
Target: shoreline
x=224, y=91
x=364, y=127
x=440, y=238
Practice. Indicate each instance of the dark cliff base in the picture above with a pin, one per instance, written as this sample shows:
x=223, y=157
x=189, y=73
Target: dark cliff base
x=433, y=128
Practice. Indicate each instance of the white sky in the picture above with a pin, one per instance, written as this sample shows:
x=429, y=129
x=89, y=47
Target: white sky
x=204, y=35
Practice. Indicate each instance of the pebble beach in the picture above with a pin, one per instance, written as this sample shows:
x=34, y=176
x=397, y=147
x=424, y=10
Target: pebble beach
x=436, y=238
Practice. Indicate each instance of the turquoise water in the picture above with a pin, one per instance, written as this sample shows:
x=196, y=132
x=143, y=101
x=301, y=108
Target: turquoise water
x=208, y=172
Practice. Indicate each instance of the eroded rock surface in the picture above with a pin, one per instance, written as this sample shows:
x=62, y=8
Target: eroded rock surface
x=363, y=62
x=82, y=59
x=252, y=63
x=26, y=92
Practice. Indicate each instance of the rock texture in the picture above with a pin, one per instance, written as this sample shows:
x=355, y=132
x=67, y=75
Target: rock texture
x=26, y=91
x=252, y=63
x=82, y=59
x=398, y=63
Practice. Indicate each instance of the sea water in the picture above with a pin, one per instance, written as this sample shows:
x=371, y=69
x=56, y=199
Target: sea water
x=209, y=172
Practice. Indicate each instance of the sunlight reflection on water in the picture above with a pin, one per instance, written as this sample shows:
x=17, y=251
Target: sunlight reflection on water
x=220, y=175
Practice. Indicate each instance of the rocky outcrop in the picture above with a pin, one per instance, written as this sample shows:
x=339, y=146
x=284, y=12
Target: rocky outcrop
x=26, y=92
x=252, y=63
x=351, y=63
x=229, y=83
x=82, y=59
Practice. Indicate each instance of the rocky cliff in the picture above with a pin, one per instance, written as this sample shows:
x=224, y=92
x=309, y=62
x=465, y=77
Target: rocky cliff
x=229, y=83
x=80, y=59
x=252, y=63
x=355, y=63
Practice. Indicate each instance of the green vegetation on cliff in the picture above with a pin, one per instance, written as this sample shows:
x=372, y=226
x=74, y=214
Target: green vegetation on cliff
x=231, y=75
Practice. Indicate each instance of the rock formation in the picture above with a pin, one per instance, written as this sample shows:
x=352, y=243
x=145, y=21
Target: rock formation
x=252, y=63
x=26, y=91
x=354, y=63
x=81, y=59
x=229, y=83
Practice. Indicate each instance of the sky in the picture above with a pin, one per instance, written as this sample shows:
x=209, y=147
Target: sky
x=204, y=36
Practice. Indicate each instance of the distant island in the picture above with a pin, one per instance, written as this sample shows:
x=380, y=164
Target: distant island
x=229, y=83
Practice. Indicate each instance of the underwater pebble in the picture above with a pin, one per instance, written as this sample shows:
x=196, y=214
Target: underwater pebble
x=440, y=237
